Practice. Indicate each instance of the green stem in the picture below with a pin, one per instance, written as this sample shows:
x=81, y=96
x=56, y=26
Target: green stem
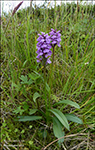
x=45, y=87
x=53, y=55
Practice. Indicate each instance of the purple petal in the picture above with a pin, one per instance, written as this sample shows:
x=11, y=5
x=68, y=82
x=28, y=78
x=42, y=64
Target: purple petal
x=54, y=42
x=46, y=51
x=42, y=40
x=40, y=54
x=51, y=33
x=54, y=37
x=39, y=51
x=59, y=45
x=52, y=29
x=48, y=61
x=38, y=60
x=44, y=46
x=58, y=34
x=58, y=31
x=59, y=40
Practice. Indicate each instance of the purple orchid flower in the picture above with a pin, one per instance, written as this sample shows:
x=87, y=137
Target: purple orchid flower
x=55, y=37
x=43, y=48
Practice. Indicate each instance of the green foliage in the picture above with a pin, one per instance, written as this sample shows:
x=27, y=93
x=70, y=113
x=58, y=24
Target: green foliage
x=32, y=111
x=25, y=80
x=34, y=76
x=29, y=118
x=57, y=129
x=68, y=102
x=72, y=117
x=35, y=96
x=60, y=116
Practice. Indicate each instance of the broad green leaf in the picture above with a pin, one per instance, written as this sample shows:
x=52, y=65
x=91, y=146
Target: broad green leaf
x=68, y=102
x=72, y=117
x=32, y=111
x=35, y=96
x=29, y=118
x=57, y=129
x=60, y=116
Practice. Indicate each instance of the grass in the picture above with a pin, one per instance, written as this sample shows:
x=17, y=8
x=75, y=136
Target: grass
x=73, y=76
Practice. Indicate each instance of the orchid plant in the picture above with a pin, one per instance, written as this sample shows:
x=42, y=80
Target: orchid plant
x=49, y=113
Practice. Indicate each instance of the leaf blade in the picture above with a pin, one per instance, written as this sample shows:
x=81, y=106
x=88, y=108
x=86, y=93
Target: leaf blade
x=60, y=116
x=72, y=117
x=32, y=111
x=68, y=102
x=57, y=129
x=35, y=96
x=29, y=118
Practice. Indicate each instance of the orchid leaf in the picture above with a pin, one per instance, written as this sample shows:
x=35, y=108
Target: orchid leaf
x=60, y=116
x=73, y=118
x=68, y=102
x=57, y=129
x=29, y=118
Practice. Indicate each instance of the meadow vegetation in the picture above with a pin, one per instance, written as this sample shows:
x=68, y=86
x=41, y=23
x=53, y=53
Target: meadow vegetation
x=26, y=86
